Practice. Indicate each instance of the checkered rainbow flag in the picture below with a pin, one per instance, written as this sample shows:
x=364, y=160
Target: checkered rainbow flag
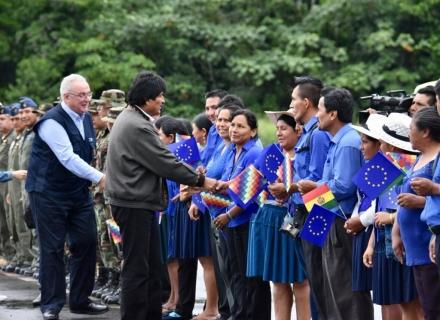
x=245, y=187
x=215, y=200
x=285, y=172
x=113, y=230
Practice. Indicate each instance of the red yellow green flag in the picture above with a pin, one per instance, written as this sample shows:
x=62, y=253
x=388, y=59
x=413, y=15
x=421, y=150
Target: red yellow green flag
x=321, y=196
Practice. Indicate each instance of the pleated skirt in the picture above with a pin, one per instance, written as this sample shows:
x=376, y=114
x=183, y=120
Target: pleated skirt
x=272, y=254
x=362, y=277
x=393, y=282
x=191, y=238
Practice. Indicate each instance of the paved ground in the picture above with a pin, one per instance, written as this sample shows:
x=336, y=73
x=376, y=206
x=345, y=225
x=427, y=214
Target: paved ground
x=17, y=293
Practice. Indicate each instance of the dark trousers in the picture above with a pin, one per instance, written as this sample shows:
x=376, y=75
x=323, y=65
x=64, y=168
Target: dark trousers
x=341, y=301
x=222, y=271
x=437, y=252
x=141, y=269
x=427, y=282
x=55, y=219
x=187, y=287
x=252, y=295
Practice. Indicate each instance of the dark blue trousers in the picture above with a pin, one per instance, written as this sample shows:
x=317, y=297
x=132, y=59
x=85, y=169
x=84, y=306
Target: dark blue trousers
x=57, y=220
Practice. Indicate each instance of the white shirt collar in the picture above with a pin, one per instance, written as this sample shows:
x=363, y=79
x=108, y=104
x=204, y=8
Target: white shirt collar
x=71, y=113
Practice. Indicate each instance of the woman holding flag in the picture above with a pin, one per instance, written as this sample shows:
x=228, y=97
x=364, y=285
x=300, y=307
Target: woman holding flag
x=414, y=233
x=272, y=253
x=251, y=296
x=392, y=283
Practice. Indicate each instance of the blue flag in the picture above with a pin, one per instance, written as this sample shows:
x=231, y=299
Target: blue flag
x=388, y=200
x=377, y=175
x=186, y=151
x=365, y=202
x=269, y=161
x=317, y=225
x=197, y=200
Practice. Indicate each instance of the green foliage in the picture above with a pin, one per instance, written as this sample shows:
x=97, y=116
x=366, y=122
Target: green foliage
x=252, y=48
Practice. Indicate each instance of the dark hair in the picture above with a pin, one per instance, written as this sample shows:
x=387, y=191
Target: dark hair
x=171, y=126
x=145, y=86
x=430, y=93
x=437, y=88
x=340, y=100
x=308, y=87
x=201, y=121
x=216, y=93
x=231, y=99
x=232, y=108
x=185, y=127
x=290, y=121
x=158, y=123
x=428, y=119
x=251, y=118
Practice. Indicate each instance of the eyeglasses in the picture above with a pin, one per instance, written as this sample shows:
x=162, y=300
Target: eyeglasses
x=82, y=95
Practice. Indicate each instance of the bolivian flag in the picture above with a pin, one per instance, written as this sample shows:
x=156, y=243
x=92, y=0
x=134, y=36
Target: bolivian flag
x=321, y=196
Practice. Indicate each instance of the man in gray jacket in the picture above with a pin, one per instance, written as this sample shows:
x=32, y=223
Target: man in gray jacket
x=137, y=165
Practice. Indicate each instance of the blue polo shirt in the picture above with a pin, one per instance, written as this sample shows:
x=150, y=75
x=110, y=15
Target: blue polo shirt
x=344, y=159
x=248, y=155
x=431, y=212
x=310, y=157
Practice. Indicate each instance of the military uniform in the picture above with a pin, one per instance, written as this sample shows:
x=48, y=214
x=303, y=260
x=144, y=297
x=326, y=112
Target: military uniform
x=6, y=245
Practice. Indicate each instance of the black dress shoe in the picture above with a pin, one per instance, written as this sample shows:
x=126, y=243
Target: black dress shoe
x=50, y=315
x=11, y=267
x=91, y=308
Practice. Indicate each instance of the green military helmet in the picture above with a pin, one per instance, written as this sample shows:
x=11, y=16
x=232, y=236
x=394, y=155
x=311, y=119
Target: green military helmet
x=94, y=104
x=114, y=98
x=113, y=114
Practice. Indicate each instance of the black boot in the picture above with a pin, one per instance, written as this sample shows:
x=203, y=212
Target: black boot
x=113, y=286
x=101, y=280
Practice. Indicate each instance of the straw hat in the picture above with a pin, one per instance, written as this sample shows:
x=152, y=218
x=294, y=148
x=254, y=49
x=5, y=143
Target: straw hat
x=274, y=115
x=375, y=118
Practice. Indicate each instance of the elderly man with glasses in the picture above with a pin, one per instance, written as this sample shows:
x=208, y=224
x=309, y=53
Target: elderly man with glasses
x=59, y=177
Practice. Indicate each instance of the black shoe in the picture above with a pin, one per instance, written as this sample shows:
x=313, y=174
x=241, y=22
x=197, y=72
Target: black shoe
x=50, y=315
x=91, y=308
x=37, y=301
x=28, y=272
x=113, y=298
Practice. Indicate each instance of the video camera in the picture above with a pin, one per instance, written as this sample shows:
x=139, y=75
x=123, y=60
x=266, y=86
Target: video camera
x=394, y=101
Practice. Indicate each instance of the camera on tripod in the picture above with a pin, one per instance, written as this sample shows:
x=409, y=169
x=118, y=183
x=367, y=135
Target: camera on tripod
x=394, y=101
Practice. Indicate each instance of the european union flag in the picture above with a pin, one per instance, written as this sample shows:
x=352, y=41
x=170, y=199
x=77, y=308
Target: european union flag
x=377, y=175
x=388, y=200
x=197, y=200
x=269, y=161
x=365, y=202
x=317, y=225
x=186, y=150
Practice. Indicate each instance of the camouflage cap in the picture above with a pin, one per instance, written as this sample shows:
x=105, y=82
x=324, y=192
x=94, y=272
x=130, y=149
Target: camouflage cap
x=113, y=114
x=114, y=97
x=94, y=104
x=44, y=107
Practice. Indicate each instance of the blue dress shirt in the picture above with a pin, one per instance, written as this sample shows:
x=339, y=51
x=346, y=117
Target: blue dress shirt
x=58, y=141
x=344, y=159
x=431, y=212
x=5, y=176
x=248, y=155
x=309, y=162
x=212, y=141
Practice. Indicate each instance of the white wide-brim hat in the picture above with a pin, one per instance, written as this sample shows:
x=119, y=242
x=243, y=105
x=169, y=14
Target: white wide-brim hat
x=393, y=130
x=274, y=115
x=373, y=118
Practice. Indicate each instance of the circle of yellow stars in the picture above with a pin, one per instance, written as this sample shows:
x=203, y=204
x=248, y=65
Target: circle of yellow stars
x=372, y=169
x=272, y=170
x=322, y=230
x=185, y=148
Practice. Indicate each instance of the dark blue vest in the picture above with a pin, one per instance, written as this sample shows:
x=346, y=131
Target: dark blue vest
x=45, y=173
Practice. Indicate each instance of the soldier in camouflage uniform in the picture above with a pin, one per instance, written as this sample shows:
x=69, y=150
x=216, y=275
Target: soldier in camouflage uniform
x=29, y=115
x=109, y=253
x=15, y=208
x=7, y=136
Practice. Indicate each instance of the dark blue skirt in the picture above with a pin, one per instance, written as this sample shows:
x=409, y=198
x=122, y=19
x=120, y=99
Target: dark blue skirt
x=191, y=238
x=171, y=238
x=272, y=254
x=361, y=275
x=393, y=282
x=164, y=235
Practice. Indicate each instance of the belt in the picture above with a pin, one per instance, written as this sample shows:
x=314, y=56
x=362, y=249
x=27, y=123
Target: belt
x=434, y=229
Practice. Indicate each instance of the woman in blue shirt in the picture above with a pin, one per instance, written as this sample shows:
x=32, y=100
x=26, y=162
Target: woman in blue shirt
x=414, y=233
x=251, y=296
x=273, y=254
